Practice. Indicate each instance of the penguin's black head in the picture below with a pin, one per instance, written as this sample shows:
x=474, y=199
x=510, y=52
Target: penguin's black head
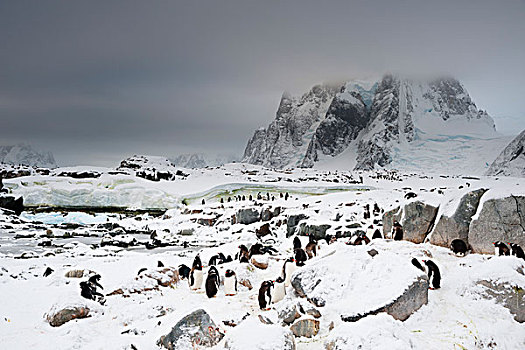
x=279, y=279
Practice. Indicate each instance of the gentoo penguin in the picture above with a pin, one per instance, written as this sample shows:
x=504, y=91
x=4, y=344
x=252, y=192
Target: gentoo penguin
x=279, y=290
x=434, y=277
x=94, y=281
x=311, y=248
x=265, y=295
x=300, y=257
x=330, y=239
x=184, y=271
x=160, y=264
x=243, y=255
x=88, y=289
x=48, y=271
x=288, y=269
x=255, y=249
x=417, y=264
x=212, y=282
x=517, y=251
x=397, y=231
x=214, y=260
x=459, y=247
x=196, y=274
x=230, y=283
x=296, y=242
x=197, y=261
x=500, y=248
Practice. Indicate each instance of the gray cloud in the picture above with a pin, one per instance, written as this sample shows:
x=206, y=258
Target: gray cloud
x=96, y=81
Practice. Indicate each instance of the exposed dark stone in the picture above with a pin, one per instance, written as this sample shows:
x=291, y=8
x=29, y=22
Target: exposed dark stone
x=511, y=297
x=247, y=216
x=316, y=231
x=12, y=203
x=65, y=315
x=292, y=222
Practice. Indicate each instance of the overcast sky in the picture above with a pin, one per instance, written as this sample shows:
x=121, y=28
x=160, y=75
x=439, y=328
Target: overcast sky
x=96, y=81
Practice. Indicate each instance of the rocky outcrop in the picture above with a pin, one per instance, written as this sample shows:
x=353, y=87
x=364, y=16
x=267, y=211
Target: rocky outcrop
x=316, y=231
x=307, y=328
x=416, y=218
x=500, y=219
x=196, y=328
x=457, y=226
x=58, y=318
x=511, y=297
x=247, y=216
x=511, y=161
x=12, y=203
x=292, y=223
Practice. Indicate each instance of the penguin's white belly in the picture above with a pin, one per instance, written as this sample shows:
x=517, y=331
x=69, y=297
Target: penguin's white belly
x=290, y=269
x=496, y=251
x=229, y=285
x=197, y=279
x=279, y=292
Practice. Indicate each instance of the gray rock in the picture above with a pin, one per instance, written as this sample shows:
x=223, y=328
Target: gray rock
x=305, y=328
x=415, y=296
x=266, y=214
x=292, y=222
x=247, y=216
x=288, y=313
x=457, y=226
x=418, y=218
x=316, y=231
x=501, y=219
x=195, y=328
x=513, y=298
x=57, y=319
x=511, y=161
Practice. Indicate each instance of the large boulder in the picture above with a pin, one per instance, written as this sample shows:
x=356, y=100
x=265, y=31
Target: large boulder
x=417, y=220
x=404, y=288
x=12, y=203
x=450, y=227
x=247, y=216
x=195, y=329
x=57, y=318
x=316, y=231
x=292, y=222
x=511, y=297
x=254, y=335
x=500, y=219
x=306, y=327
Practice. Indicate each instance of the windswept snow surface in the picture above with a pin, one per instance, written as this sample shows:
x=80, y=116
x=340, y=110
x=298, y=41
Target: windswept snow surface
x=457, y=316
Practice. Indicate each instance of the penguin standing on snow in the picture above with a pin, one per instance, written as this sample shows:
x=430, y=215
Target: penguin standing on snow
x=459, y=247
x=517, y=251
x=434, y=276
x=300, y=257
x=288, y=269
x=311, y=248
x=377, y=234
x=265, y=295
x=244, y=254
x=296, y=243
x=196, y=274
x=212, y=282
x=279, y=290
x=397, y=231
x=230, y=283
x=500, y=248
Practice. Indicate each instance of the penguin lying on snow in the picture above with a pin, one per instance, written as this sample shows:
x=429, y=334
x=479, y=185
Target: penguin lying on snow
x=230, y=283
x=265, y=295
x=279, y=290
x=500, y=248
x=517, y=251
x=434, y=277
x=212, y=282
x=459, y=247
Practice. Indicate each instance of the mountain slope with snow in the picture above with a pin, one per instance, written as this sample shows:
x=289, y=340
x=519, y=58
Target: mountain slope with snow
x=395, y=123
x=511, y=162
x=24, y=154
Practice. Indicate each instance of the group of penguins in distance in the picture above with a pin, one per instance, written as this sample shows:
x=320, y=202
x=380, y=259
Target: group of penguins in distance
x=273, y=291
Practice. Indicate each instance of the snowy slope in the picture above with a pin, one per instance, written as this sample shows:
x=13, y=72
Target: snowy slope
x=511, y=162
x=24, y=154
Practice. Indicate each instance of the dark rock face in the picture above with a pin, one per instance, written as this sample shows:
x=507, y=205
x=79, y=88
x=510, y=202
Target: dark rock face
x=264, y=230
x=196, y=328
x=80, y=174
x=415, y=296
x=511, y=161
x=513, y=298
x=501, y=219
x=457, y=226
x=247, y=216
x=12, y=203
x=65, y=315
x=292, y=222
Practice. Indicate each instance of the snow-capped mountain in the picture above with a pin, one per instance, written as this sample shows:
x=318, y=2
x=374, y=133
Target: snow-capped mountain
x=24, y=154
x=201, y=160
x=394, y=123
x=511, y=162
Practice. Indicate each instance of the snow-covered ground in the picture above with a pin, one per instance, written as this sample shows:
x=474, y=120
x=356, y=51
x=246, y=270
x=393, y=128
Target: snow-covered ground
x=457, y=316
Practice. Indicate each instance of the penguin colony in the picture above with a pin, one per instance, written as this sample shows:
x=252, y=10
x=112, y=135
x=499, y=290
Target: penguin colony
x=273, y=291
